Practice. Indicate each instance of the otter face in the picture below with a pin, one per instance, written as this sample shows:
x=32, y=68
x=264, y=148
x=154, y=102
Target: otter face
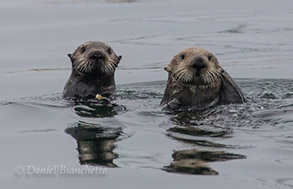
x=94, y=58
x=196, y=66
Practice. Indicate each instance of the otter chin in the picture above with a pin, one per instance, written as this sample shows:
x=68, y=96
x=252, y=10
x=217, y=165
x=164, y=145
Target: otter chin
x=197, y=81
x=93, y=68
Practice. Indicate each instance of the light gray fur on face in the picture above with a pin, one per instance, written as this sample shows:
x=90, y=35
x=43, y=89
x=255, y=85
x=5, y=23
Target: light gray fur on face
x=195, y=66
x=85, y=58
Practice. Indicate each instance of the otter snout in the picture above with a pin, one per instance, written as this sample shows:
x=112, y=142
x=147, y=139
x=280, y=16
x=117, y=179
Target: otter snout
x=198, y=64
x=97, y=55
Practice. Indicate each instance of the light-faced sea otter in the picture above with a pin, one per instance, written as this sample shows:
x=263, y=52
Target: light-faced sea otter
x=197, y=81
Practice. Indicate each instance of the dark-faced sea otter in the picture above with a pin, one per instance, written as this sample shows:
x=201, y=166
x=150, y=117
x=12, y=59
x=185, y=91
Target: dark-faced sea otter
x=93, y=68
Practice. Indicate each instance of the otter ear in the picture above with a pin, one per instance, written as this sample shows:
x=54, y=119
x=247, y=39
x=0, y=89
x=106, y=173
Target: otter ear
x=167, y=69
x=71, y=57
x=230, y=92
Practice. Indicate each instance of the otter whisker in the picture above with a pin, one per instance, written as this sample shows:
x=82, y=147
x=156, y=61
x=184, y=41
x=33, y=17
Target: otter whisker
x=214, y=75
x=113, y=66
x=179, y=75
x=105, y=68
x=188, y=77
x=176, y=74
x=213, y=78
x=207, y=78
x=182, y=75
x=83, y=65
x=89, y=66
x=109, y=67
x=115, y=62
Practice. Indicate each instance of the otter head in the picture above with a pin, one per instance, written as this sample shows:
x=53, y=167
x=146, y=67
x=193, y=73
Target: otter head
x=94, y=57
x=195, y=66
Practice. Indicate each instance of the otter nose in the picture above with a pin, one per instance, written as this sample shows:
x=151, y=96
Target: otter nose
x=198, y=64
x=97, y=55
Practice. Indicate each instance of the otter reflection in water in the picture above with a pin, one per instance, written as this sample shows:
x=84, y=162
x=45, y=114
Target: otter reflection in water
x=97, y=108
x=95, y=144
x=193, y=128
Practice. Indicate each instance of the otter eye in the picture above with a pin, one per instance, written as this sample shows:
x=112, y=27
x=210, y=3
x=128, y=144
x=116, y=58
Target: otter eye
x=210, y=57
x=182, y=56
x=82, y=49
x=109, y=50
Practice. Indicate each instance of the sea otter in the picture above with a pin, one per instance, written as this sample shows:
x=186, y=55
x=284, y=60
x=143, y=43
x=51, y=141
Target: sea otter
x=197, y=81
x=93, y=68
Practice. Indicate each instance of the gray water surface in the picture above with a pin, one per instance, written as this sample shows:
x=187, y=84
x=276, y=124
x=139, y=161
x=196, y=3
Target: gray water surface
x=250, y=143
x=141, y=146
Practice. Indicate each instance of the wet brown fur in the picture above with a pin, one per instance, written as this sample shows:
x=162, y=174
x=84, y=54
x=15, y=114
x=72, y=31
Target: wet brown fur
x=93, y=68
x=196, y=80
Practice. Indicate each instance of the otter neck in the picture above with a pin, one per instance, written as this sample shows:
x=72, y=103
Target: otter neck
x=195, y=96
x=93, y=84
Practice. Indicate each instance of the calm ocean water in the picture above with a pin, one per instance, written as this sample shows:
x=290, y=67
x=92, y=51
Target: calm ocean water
x=138, y=143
